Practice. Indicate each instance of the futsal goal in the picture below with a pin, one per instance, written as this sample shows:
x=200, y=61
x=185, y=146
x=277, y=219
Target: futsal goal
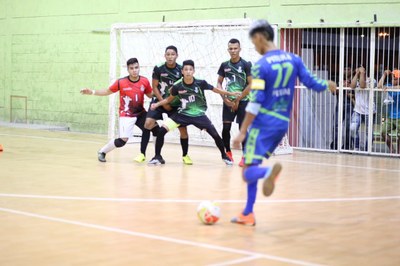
x=205, y=42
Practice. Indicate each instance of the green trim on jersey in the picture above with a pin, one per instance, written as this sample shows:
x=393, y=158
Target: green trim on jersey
x=192, y=99
x=236, y=76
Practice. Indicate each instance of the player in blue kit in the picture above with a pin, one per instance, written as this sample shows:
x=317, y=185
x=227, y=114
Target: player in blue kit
x=268, y=112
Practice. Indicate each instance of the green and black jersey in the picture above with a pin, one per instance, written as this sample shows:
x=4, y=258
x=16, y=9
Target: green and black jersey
x=192, y=99
x=166, y=78
x=235, y=75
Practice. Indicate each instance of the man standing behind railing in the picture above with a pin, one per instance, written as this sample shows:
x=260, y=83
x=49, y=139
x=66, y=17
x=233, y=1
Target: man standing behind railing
x=391, y=127
x=348, y=99
x=360, y=83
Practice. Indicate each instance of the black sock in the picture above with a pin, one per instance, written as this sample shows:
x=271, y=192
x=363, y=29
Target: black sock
x=144, y=141
x=155, y=130
x=226, y=136
x=185, y=146
x=218, y=141
x=160, y=140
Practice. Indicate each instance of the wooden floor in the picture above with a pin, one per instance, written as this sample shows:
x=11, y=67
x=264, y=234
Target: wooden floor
x=60, y=206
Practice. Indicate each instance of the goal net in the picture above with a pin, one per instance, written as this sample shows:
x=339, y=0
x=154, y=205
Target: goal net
x=205, y=42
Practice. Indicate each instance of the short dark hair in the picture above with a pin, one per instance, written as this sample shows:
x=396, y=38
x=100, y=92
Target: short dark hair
x=263, y=27
x=233, y=41
x=188, y=63
x=171, y=47
x=132, y=61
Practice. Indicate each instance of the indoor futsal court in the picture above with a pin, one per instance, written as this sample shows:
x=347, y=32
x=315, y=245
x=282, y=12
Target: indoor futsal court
x=200, y=132
x=59, y=206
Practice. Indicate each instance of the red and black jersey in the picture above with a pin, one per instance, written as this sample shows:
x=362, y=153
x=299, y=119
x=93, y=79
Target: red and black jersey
x=131, y=94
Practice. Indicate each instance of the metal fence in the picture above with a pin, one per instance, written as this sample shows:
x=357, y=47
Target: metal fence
x=364, y=115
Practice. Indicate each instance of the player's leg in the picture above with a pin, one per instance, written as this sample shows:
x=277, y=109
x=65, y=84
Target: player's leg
x=126, y=125
x=260, y=144
x=169, y=125
x=151, y=121
x=140, y=123
x=184, y=137
x=203, y=122
x=228, y=116
x=241, y=112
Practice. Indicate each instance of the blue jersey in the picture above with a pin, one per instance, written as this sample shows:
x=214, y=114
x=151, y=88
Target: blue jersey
x=274, y=79
x=394, y=107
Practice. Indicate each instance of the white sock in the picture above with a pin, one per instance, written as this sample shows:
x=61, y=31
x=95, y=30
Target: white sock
x=108, y=147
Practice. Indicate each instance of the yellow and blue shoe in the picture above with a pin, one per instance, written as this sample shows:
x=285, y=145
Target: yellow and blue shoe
x=244, y=219
x=140, y=158
x=186, y=160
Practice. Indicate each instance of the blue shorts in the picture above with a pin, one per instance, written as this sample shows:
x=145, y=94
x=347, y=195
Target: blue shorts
x=261, y=143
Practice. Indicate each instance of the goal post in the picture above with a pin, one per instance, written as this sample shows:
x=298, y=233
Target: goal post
x=205, y=42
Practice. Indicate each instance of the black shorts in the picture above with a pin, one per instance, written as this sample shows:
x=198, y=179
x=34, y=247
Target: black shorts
x=229, y=116
x=157, y=113
x=201, y=122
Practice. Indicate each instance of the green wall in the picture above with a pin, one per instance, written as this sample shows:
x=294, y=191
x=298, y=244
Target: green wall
x=50, y=49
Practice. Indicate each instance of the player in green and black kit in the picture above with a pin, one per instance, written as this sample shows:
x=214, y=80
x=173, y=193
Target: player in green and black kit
x=164, y=76
x=193, y=105
x=237, y=74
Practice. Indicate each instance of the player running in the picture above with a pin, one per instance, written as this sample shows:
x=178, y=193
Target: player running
x=237, y=74
x=164, y=76
x=131, y=111
x=268, y=112
x=193, y=105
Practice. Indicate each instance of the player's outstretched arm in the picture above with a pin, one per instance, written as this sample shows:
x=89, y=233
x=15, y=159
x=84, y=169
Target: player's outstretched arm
x=312, y=82
x=103, y=92
x=163, y=102
x=227, y=93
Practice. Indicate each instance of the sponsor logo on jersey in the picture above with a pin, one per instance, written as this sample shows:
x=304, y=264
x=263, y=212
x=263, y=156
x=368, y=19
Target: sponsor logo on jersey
x=182, y=92
x=127, y=89
x=227, y=69
x=164, y=74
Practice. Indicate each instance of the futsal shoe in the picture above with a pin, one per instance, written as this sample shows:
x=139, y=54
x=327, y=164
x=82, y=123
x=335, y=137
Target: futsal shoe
x=241, y=164
x=269, y=182
x=102, y=157
x=140, y=158
x=157, y=160
x=244, y=219
x=227, y=160
x=229, y=154
x=186, y=160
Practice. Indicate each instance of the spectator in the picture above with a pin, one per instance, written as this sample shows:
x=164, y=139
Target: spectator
x=348, y=103
x=361, y=109
x=391, y=126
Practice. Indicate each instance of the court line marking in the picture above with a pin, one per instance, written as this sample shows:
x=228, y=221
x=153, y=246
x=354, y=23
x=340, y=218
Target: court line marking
x=283, y=160
x=159, y=238
x=52, y=138
x=316, y=200
x=237, y=261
